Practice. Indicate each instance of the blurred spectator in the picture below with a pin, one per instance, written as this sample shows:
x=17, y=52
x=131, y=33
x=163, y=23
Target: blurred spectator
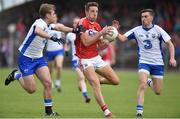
x=167, y=16
x=3, y=52
x=20, y=29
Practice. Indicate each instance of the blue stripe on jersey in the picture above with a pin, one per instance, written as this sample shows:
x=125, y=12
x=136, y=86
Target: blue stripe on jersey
x=131, y=36
x=29, y=40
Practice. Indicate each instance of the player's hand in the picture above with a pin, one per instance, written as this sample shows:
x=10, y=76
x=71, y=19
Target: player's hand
x=105, y=30
x=116, y=24
x=79, y=29
x=172, y=62
x=59, y=40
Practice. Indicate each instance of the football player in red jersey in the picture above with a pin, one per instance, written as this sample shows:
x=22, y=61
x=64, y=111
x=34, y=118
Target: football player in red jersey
x=90, y=61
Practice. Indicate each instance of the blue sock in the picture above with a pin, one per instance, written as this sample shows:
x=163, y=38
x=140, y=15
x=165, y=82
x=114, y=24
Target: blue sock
x=139, y=109
x=47, y=102
x=17, y=76
x=48, y=106
x=85, y=94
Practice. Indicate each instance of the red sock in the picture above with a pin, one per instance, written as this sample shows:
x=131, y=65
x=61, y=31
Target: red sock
x=106, y=111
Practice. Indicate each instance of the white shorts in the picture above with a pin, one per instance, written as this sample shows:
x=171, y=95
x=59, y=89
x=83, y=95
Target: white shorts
x=96, y=62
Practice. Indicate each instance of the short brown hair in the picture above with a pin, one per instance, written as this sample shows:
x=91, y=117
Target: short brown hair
x=46, y=8
x=151, y=11
x=89, y=4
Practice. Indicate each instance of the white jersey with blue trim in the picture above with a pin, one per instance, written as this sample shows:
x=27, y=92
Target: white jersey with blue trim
x=51, y=45
x=70, y=38
x=149, y=43
x=33, y=44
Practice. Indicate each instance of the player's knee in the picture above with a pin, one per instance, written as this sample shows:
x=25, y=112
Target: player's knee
x=158, y=92
x=143, y=86
x=59, y=67
x=31, y=90
x=116, y=82
x=81, y=77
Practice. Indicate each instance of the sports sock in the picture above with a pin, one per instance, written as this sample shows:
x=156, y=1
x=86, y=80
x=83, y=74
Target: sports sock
x=58, y=82
x=139, y=109
x=85, y=94
x=150, y=82
x=106, y=111
x=17, y=75
x=48, y=106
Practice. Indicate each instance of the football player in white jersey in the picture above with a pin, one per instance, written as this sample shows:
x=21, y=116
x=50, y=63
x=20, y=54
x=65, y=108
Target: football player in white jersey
x=55, y=57
x=31, y=60
x=149, y=38
x=70, y=37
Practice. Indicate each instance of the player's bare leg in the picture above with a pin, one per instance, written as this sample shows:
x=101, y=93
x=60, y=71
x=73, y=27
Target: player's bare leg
x=140, y=93
x=58, y=64
x=156, y=84
x=108, y=75
x=82, y=84
x=44, y=76
x=50, y=66
x=27, y=82
x=95, y=83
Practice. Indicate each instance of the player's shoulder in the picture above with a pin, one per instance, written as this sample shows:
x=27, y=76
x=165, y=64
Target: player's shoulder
x=157, y=26
x=82, y=21
x=39, y=21
x=159, y=29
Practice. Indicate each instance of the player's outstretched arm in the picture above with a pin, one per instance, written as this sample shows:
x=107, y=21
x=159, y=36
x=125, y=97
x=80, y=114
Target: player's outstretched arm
x=121, y=37
x=39, y=31
x=61, y=27
x=172, y=60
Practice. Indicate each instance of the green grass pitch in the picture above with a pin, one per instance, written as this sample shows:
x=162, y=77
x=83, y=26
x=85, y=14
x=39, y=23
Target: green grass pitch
x=15, y=102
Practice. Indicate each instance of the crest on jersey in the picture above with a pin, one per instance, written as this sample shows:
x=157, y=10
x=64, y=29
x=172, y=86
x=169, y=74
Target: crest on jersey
x=91, y=32
x=153, y=35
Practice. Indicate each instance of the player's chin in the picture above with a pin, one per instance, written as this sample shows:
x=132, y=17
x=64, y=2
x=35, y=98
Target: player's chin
x=93, y=19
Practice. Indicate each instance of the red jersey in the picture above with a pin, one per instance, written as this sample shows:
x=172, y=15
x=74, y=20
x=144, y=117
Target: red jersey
x=91, y=51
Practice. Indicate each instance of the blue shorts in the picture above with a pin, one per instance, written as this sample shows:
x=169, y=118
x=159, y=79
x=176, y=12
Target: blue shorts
x=51, y=55
x=154, y=70
x=28, y=66
x=75, y=64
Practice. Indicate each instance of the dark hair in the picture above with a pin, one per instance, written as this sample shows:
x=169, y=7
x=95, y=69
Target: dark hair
x=89, y=4
x=46, y=8
x=151, y=11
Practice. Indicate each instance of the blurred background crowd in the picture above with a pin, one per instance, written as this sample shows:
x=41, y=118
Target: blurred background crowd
x=16, y=20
